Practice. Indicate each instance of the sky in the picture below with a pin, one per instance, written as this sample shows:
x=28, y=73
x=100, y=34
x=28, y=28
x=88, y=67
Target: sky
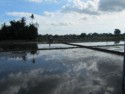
x=67, y=16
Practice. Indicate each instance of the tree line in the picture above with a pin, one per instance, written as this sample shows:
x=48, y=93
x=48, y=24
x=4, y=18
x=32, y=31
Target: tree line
x=84, y=37
x=18, y=30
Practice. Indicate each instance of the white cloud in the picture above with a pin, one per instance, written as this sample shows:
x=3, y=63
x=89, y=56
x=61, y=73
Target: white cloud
x=46, y=13
x=61, y=24
x=19, y=14
x=89, y=7
x=112, y=5
x=94, y=7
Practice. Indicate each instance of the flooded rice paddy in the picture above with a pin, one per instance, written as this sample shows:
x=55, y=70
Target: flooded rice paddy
x=67, y=71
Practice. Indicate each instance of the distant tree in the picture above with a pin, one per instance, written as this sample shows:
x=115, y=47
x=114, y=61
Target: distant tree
x=94, y=34
x=23, y=21
x=32, y=17
x=18, y=30
x=83, y=35
x=32, y=31
x=117, y=32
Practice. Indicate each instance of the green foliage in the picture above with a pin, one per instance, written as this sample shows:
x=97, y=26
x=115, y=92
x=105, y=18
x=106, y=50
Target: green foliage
x=83, y=37
x=18, y=30
x=117, y=32
x=32, y=16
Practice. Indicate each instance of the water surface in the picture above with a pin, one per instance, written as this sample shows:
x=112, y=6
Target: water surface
x=71, y=71
x=99, y=43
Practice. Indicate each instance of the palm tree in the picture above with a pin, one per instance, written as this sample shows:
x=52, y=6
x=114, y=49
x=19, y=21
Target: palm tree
x=32, y=17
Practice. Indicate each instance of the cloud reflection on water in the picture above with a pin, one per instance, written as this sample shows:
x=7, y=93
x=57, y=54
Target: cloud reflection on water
x=84, y=71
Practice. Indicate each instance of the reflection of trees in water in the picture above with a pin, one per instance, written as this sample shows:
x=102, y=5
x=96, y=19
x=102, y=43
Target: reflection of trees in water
x=20, y=50
x=116, y=41
x=33, y=53
x=18, y=47
x=24, y=57
x=50, y=40
x=33, y=61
